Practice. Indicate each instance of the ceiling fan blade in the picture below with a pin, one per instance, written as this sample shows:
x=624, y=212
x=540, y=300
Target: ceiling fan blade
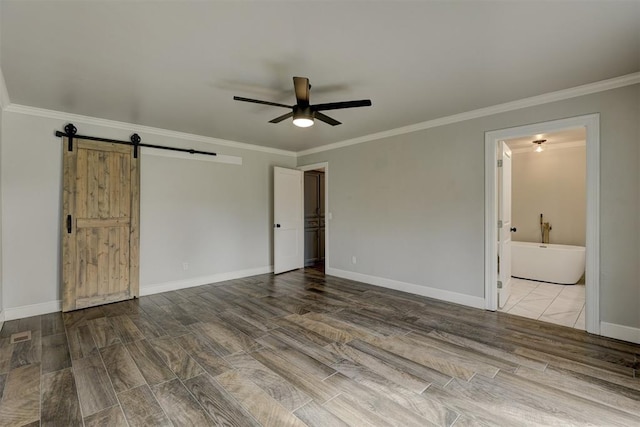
x=324, y=118
x=301, y=86
x=257, y=101
x=340, y=105
x=281, y=118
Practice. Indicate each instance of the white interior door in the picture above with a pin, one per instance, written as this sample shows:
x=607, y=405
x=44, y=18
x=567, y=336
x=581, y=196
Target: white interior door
x=288, y=230
x=504, y=232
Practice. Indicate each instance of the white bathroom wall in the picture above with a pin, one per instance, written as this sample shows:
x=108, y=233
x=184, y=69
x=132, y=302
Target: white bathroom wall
x=214, y=216
x=553, y=183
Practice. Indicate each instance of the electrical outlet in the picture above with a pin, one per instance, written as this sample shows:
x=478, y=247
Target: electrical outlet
x=185, y=266
x=353, y=259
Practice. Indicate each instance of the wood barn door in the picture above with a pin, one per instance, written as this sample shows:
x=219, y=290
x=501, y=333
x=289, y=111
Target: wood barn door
x=101, y=214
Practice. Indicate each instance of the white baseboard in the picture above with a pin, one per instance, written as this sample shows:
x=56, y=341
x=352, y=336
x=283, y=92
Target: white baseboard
x=32, y=310
x=425, y=291
x=54, y=306
x=1, y=319
x=202, y=280
x=620, y=332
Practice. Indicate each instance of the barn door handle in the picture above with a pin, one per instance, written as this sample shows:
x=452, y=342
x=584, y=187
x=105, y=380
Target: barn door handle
x=69, y=224
x=276, y=225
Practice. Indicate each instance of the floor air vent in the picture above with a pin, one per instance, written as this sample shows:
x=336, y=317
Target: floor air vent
x=21, y=337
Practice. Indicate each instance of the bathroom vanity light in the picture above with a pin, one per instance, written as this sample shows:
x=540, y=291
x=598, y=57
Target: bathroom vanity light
x=539, y=143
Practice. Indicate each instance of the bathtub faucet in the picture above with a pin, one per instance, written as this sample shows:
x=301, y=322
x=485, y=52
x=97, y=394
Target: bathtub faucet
x=545, y=228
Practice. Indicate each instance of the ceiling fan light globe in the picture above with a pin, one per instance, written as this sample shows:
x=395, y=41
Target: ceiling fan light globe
x=303, y=122
x=302, y=116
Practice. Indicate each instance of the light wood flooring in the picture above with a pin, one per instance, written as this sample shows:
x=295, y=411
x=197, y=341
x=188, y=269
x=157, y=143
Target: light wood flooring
x=303, y=349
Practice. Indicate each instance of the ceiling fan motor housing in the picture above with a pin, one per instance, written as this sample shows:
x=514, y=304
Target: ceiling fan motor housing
x=300, y=112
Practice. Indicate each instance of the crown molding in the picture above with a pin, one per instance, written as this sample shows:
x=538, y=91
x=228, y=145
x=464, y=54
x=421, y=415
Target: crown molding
x=4, y=94
x=601, y=86
x=77, y=118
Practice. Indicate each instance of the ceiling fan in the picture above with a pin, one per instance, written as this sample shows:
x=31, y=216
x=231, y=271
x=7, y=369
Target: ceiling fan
x=304, y=113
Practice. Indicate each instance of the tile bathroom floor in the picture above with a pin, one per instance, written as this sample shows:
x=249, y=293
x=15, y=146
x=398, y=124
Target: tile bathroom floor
x=548, y=302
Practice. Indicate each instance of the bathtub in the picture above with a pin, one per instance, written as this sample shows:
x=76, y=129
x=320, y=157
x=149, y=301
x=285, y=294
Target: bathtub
x=562, y=264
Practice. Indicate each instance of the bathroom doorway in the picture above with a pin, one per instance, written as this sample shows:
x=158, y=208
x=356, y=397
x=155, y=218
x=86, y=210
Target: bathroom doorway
x=315, y=216
x=548, y=227
x=566, y=141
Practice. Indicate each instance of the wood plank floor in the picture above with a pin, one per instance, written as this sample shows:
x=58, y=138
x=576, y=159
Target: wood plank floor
x=303, y=349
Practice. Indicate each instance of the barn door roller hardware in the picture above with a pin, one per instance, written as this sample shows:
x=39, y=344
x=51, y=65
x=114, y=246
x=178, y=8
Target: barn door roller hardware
x=70, y=132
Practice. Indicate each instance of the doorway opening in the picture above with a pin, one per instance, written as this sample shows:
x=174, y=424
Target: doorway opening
x=495, y=236
x=315, y=216
x=546, y=228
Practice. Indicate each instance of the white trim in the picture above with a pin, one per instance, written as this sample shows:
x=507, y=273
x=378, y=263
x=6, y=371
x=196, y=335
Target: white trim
x=55, y=306
x=592, y=272
x=1, y=319
x=325, y=167
x=592, y=124
x=4, y=93
x=617, y=82
x=620, y=332
x=218, y=158
x=202, y=280
x=558, y=146
x=490, y=222
x=425, y=291
x=77, y=118
x=32, y=310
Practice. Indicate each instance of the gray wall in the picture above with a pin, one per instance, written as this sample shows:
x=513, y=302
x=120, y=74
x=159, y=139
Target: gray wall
x=553, y=183
x=411, y=207
x=214, y=216
x=1, y=287
x=2, y=106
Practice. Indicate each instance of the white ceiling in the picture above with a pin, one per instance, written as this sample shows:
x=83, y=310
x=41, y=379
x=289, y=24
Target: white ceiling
x=177, y=64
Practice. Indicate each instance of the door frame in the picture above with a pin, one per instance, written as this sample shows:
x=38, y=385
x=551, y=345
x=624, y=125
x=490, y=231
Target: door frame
x=591, y=123
x=327, y=216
